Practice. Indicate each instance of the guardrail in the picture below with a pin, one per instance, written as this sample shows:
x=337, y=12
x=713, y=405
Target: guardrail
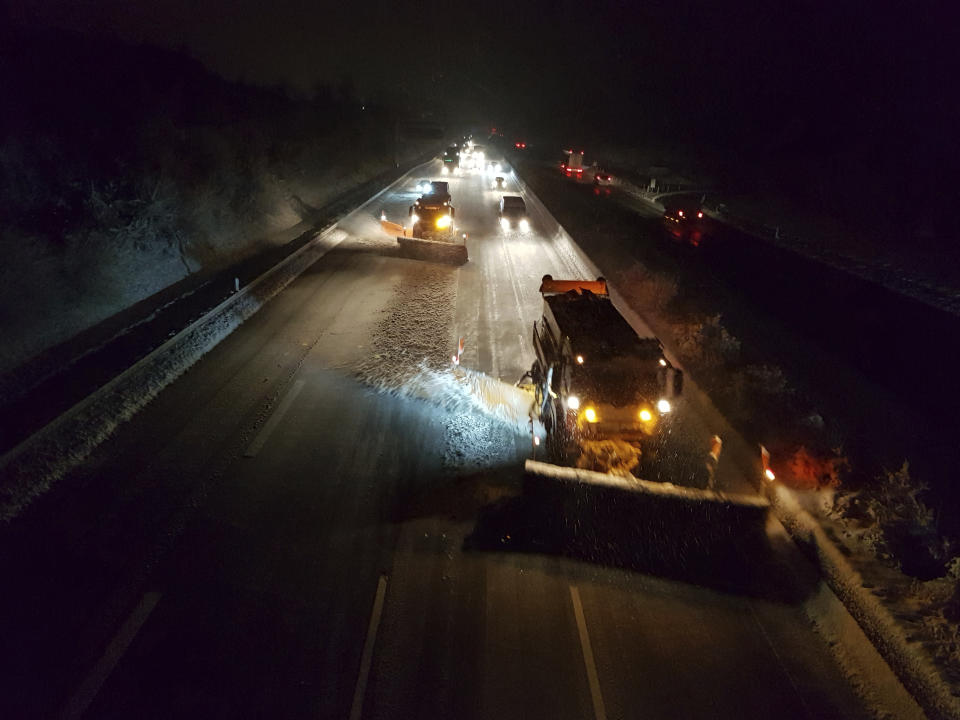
x=33, y=466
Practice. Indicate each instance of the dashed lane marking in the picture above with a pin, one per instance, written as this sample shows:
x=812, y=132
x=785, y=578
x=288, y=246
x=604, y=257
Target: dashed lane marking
x=599, y=711
x=366, y=659
x=87, y=692
x=264, y=434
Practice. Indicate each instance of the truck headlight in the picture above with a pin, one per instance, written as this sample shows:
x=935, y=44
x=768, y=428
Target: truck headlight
x=414, y=218
x=573, y=402
x=664, y=406
x=445, y=171
x=590, y=414
x=646, y=415
x=504, y=223
x=524, y=225
x=443, y=221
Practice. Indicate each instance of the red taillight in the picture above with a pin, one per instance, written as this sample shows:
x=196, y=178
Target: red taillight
x=680, y=213
x=523, y=145
x=699, y=214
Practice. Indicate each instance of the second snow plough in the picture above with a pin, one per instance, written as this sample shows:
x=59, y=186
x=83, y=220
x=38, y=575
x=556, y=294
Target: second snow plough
x=431, y=233
x=603, y=394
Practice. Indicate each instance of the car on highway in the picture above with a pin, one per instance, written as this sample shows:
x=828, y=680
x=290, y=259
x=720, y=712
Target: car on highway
x=685, y=224
x=601, y=176
x=513, y=213
x=423, y=186
x=496, y=167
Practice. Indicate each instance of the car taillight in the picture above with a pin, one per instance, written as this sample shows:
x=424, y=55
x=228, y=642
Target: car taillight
x=699, y=214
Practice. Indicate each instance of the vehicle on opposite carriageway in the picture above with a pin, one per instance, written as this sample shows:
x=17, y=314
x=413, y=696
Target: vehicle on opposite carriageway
x=686, y=224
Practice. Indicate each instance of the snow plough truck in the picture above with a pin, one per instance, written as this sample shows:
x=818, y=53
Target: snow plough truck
x=430, y=233
x=608, y=399
x=603, y=394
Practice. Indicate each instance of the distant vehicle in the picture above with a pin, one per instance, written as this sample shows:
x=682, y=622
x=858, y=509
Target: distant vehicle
x=423, y=186
x=572, y=163
x=497, y=183
x=685, y=224
x=601, y=176
x=451, y=160
x=513, y=213
x=480, y=155
x=496, y=167
x=520, y=145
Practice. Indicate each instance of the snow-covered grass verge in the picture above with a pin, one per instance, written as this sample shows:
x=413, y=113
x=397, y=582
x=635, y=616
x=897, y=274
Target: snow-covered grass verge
x=906, y=656
x=27, y=471
x=706, y=349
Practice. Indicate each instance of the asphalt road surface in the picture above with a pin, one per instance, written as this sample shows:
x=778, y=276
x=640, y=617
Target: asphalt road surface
x=281, y=533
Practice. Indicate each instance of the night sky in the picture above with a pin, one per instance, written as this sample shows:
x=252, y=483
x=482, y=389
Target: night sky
x=748, y=72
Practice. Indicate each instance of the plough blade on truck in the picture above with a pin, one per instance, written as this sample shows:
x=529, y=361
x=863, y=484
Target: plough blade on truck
x=431, y=233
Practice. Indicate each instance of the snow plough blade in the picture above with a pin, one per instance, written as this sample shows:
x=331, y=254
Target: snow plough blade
x=453, y=252
x=589, y=509
x=395, y=229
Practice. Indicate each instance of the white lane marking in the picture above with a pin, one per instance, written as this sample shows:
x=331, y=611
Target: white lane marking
x=271, y=424
x=85, y=694
x=776, y=654
x=599, y=711
x=366, y=659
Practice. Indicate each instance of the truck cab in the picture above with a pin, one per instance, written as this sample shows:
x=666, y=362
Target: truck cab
x=431, y=217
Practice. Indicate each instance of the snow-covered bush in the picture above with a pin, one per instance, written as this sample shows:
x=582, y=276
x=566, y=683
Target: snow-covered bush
x=706, y=342
x=898, y=527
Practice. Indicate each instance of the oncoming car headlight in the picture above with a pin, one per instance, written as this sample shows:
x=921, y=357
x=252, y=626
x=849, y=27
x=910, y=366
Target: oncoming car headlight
x=414, y=218
x=590, y=415
x=663, y=405
x=573, y=402
x=646, y=415
x=504, y=223
x=446, y=170
x=524, y=225
x=443, y=221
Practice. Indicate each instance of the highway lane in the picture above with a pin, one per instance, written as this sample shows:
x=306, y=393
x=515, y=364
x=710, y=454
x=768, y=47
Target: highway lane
x=231, y=551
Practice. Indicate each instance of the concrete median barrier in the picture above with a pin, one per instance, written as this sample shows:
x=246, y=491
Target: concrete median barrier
x=454, y=253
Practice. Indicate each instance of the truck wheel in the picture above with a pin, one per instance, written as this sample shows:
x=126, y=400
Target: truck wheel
x=556, y=433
